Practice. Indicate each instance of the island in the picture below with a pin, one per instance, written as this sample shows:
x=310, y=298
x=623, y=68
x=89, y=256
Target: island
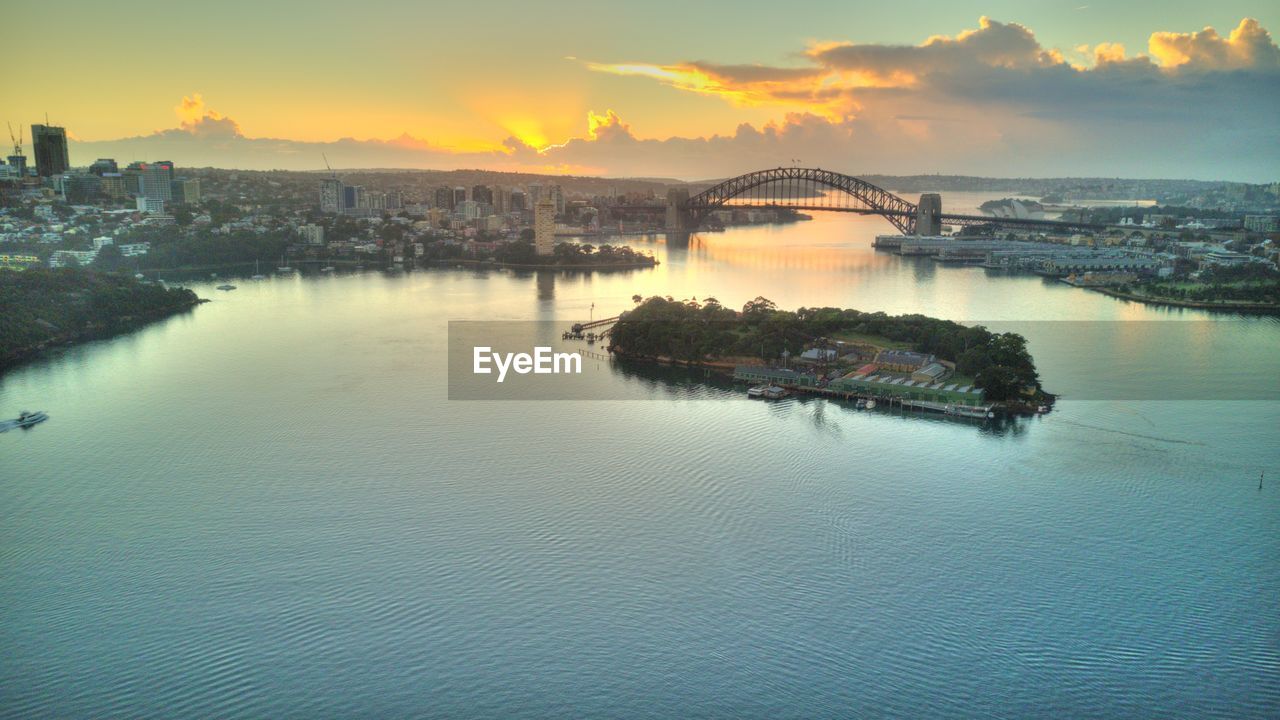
x=44, y=308
x=913, y=360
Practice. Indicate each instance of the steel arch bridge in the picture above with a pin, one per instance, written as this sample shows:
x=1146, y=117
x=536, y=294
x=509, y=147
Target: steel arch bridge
x=804, y=189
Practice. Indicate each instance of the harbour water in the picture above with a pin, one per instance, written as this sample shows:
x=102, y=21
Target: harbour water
x=269, y=507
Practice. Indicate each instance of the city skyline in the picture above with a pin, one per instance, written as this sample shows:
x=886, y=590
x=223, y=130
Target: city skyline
x=1000, y=89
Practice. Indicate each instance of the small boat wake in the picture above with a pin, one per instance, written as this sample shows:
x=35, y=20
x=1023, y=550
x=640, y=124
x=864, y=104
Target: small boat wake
x=24, y=420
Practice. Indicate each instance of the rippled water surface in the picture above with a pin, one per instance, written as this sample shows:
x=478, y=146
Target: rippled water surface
x=268, y=508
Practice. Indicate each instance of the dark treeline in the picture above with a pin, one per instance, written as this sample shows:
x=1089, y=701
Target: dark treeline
x=1252, y=282
x=42, y=306
x=522, y=252
x=689, y=331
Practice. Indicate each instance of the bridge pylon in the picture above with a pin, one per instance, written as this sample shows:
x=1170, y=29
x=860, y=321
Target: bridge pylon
x=679, y=217
x=929, y=215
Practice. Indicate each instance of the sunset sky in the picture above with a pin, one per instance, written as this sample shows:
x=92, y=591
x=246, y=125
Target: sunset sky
x=675, y=89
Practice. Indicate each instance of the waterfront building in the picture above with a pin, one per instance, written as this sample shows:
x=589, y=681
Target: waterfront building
x=544, y=226
x=49, y=143
x=900, y=388
x=312, y=234
x=780, y=376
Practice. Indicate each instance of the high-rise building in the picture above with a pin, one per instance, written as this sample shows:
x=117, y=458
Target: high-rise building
x=482, y=194
x=185, y=191
x=331, y=195
x=18, y=165
x=533, y=194
x=443, y=198
x=151, y=180
x=49, y=143
x=459, y=194
x=544, y=226
x=518, y=201
x=557, y=196
x=501, y=200
x=102, y=166
x=468, y=210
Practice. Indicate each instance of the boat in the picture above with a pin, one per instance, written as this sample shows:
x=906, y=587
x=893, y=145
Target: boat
x=27, y=419
x=226, y=287
x=871, y=404
x=327, y=268
x=284, y=265
x=138, y=276
x=768, y=392
x=257, y=273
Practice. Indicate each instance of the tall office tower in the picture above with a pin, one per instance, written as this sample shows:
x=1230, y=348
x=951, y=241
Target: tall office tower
x=443, y=198
x=482, y=194
x=533, y=194
x=155, y=180
x=518, y=201
x=544, y=226
x=331, y=195
x=501, y=200
x=557, y=196
x=49, y=143
x=354, y=201
x=459, y=195
x=103, y=166
x=18, y=163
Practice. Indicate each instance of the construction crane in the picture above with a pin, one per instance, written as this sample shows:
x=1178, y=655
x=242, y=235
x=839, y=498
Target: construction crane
x=17, y=141
x=326, y=165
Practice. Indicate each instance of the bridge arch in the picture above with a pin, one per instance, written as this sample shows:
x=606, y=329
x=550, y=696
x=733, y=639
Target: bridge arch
x=876, y=199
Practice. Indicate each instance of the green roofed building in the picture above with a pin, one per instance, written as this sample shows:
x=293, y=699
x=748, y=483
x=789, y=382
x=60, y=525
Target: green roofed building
x=779, y=376
x=907, y=389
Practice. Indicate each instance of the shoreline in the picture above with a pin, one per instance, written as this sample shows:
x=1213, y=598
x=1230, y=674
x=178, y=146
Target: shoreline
x=542, y=266
x=120, y=326
x=726, y=368
x=1230, y=306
